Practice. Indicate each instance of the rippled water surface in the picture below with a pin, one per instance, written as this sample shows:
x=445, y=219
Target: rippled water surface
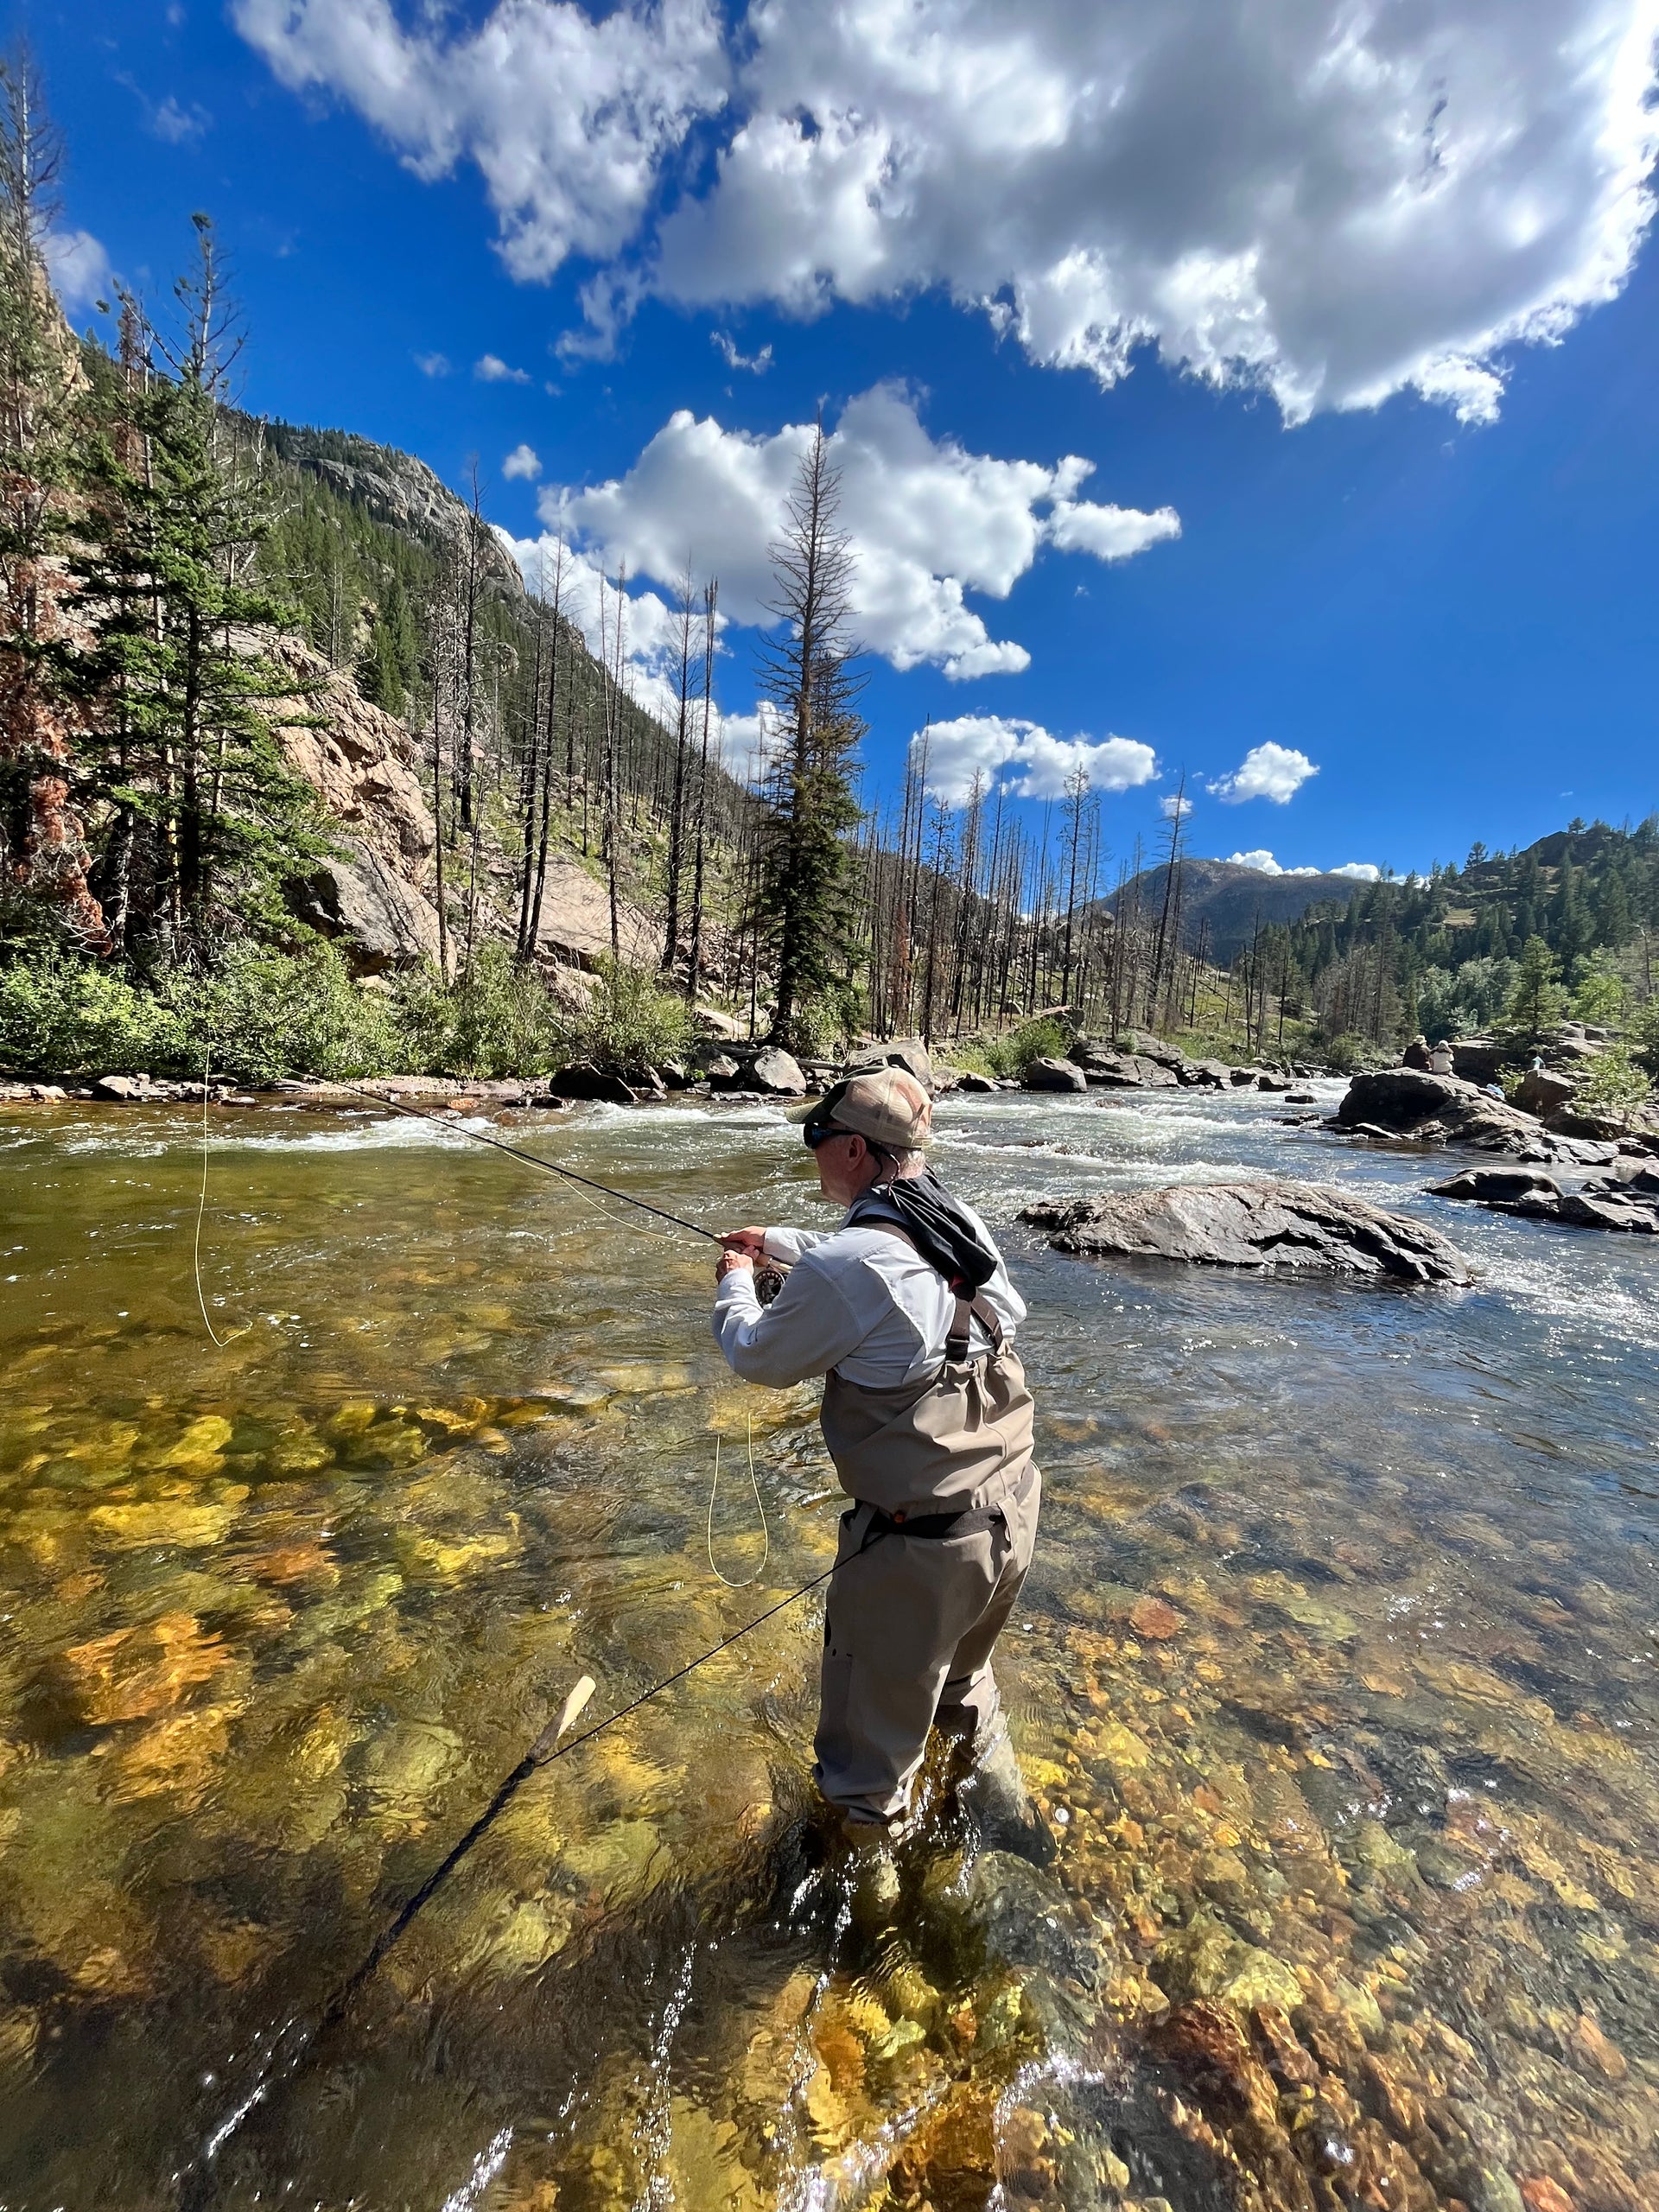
x=1335, y=1679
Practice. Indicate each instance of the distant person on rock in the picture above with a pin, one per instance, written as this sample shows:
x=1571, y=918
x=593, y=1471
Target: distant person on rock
x=1416, y=1054
x=1440, y=1060
x=907, y=1311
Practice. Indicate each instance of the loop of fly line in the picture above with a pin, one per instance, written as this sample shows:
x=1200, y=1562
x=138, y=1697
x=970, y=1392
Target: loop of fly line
x=201, y=1208
x=708, y=1531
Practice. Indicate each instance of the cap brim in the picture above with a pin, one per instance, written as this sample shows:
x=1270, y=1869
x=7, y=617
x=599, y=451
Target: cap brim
x=804, y=1112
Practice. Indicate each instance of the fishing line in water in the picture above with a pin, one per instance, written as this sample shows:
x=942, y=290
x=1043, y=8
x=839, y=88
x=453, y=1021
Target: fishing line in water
x=219, y=1342
x=766, y=1532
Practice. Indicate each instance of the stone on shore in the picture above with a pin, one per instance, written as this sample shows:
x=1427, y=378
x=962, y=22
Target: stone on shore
x=907, y=1053
x=1265, y=1224
x=777, y=1073
x=970, y=1079
x=1050, y=1074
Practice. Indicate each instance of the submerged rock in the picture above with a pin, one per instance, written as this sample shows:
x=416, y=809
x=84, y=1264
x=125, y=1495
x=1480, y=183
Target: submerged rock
x=1254, y=1225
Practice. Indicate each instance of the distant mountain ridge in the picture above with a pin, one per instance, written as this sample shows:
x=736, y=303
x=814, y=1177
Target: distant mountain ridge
x=1223, y=901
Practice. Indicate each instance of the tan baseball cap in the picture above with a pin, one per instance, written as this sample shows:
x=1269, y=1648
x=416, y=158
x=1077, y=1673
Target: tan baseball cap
x=888, y=1106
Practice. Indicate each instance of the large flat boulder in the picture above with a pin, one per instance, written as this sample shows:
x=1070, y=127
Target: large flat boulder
x=1051, y=1074
x=584, y=1080
x=1111, y=1070
x=1443, y=1109
x=1266, y=1224
x=1495, y=1186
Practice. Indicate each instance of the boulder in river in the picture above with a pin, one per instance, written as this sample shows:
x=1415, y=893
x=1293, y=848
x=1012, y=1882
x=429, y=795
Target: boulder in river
x=584, y=1080
x=1498, y=1186
x=1263, y=1223
x=1050, y=1074
x=1540, y=1092
x=970, y=1079
x=1443, y=1109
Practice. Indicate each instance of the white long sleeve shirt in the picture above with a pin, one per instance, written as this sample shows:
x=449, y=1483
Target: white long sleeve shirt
x=861, y=1301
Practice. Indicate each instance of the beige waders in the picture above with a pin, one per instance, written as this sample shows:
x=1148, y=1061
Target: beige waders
x=932, y=1557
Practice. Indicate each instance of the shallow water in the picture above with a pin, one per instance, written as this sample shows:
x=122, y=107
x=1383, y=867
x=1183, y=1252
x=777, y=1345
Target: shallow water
x=1335, y=1678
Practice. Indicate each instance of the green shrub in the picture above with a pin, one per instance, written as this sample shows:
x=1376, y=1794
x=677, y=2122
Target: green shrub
x=251, y=1015
x=498, y=1019
x=630, y=1020
x=1043, y=1039
x=1347, y=1054
x=1613, y=1084
x=257, y=1015
x=1602, y=993
x=64, y=1016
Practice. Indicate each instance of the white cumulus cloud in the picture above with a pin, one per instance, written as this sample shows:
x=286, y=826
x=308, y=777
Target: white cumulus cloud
x=80, y=269
x=1330, y=199
x=1263, y=862
x=568, y=119
x=489, y=368
x=1275, y=772
x=1024, y=758
x=523, y=462
x=928, y=521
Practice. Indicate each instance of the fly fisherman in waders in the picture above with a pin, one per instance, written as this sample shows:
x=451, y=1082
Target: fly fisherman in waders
x=907, y=1311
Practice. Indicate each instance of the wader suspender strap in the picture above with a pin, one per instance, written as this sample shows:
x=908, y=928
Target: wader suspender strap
x=977, y=1308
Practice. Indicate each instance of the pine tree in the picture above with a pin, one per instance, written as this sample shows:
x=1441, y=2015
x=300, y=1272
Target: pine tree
x=801, y=907
x=177, y=705
x=1536, y=1000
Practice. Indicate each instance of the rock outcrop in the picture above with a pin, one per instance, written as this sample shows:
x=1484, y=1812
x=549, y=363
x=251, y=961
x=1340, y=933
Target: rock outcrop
x=361, y=763
x=1305, y=1226
x=576, y=922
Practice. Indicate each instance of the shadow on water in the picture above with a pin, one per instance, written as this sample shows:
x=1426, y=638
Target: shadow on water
x=1335, y=1682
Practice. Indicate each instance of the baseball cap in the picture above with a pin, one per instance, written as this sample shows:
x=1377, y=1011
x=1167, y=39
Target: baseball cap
x=887, y=1107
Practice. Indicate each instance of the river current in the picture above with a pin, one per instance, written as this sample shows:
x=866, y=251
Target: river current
x=1335, y=1679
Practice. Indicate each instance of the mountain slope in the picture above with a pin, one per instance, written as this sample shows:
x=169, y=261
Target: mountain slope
x=1222, y=901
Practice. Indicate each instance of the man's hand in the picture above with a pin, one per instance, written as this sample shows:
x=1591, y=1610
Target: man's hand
x=752, y=1241
x=731, y=1260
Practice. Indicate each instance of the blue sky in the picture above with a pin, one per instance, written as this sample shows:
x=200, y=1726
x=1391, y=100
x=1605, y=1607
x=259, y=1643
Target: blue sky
x=1415, y=544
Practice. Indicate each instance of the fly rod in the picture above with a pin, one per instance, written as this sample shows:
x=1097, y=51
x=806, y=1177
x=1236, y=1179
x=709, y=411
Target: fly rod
x=194, y=2183
x=529, y=1158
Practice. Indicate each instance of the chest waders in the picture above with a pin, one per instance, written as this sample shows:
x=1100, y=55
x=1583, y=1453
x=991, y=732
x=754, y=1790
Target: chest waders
x=932, y=1554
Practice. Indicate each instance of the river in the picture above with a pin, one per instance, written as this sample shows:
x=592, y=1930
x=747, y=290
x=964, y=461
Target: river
x=1335, y=1679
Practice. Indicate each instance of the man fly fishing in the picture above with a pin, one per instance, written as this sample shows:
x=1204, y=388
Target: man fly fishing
x=907, y=1311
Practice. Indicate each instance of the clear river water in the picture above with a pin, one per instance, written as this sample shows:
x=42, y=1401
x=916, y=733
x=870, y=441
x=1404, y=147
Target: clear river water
x=1335, y=1679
